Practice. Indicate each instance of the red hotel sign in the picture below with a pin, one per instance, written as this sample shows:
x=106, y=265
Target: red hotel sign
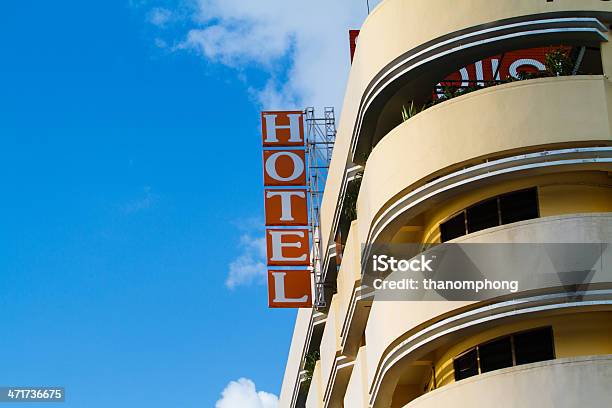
x=285, y=198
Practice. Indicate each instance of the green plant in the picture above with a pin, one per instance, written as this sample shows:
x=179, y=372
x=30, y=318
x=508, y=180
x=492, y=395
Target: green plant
x=309, y=365
x=558, y=62
x=451, y=91
x=448, y=92
x=524, y=75
x=363, y=156
x=349, y=206
x=412, y=110
x=408, y=113
x=471, y=88
x=349, y=209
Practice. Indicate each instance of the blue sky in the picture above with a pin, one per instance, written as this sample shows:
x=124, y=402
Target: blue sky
x=130, y=162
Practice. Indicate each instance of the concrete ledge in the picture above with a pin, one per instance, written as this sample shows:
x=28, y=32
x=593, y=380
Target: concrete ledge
x=560, y=383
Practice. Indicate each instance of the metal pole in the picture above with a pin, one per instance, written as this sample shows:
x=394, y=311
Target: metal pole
x=320, y=137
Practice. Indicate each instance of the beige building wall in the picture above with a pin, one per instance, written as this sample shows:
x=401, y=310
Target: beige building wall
x=396, y=26
x=495, y=123
x=457, y=133
x=330, y=343
x=561, y=383
x=315, y=392
x=356, y=391
x=294, y=362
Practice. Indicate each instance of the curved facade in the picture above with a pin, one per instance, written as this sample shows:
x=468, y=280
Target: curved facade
x=525, y=159
x=589, y=375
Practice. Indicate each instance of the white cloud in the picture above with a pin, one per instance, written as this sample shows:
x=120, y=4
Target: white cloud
x=248, y=267
x=243, y=394
x=160, y=43
x=159, y=16
x=236, y=45
x=304, y=42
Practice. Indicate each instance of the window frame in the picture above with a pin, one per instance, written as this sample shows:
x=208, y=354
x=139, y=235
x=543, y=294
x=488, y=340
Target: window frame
x=512, y=349
x=466, y=352
x=537, y=203
x=552, y=341
x=497, y=199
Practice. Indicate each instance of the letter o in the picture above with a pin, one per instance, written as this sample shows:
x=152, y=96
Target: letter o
x=298, y=166
x=525, y=61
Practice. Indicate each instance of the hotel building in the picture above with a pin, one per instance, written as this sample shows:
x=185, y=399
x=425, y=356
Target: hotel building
x=495, y=155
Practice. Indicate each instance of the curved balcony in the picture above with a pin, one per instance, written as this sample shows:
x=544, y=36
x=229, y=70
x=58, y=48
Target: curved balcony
x=415, y=44
x=401, y=41
x=397, y=339
x=336, y=364
x=395, y=27
x=306, y=338
x=356, y=391
x=433, y=151
x=314, y=398
x=561, y=383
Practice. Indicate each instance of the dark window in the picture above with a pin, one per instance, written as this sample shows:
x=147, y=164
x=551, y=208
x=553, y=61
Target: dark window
x=453, y=228
x=466, y=365
x=591, y=61
x=519, y=206
x=483, y=215
x=527, y=347
x=534, y=345
x=504, y=209
x=495, y=355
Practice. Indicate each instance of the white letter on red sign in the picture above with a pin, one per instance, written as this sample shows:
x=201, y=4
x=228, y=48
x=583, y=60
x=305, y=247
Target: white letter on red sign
x=284, y=167
x=287, y=246
x=525, y=61
x=285, y=195
x=292, y=134
x=289, y=288
x=279, y=290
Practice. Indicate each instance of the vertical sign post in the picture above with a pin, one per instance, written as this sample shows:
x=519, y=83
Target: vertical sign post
x=285, y=201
